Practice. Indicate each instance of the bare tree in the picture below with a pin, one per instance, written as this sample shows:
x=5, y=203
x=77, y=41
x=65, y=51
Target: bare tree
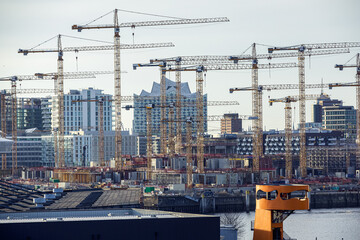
x=234, y=219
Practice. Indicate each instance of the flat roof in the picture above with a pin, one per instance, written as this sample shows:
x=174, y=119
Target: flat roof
x=91, y=215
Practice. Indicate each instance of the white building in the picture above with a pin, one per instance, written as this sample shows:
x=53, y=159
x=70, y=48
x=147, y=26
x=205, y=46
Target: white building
x=85, y=115
x=188, y=107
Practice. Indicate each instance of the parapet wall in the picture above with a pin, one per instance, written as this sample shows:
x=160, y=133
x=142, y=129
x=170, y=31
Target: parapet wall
x=237, y=203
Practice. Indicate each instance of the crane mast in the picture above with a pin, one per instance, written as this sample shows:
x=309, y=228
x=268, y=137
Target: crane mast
x=178, y=109
x=163, y=131
x=200, y=119
x=302, y=113
x=101, y=132
x=171, y=142
x=288, y=140
x=357, y=85
x=255, y=112
x=117, y=96
x=60, y=104
x=288, y=132
x=189, y=161
x=149, y=150
x=3, y=127
x=14, y=127
x=100, y=126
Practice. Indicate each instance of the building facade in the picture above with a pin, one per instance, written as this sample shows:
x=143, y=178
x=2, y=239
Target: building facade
x=323, y=101
x=231, y=123
x=188, y=108
x=29, y=113
x=340, y=118
x=85, y=115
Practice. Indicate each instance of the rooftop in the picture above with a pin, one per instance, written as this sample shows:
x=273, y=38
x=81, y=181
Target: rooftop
x=90, y=215
x=170, y=88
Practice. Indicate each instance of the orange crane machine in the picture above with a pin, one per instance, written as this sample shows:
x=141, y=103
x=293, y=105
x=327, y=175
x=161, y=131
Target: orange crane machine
x=274, y=203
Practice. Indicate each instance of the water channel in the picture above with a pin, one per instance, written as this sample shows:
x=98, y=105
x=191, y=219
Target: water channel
x=320, y=224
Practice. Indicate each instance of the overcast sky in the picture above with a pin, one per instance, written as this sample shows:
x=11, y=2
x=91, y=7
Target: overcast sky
x=25, y=24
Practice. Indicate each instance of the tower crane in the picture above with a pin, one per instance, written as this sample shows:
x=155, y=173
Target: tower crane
x=51, y=76
x=117, y=76
x=33, y=90
x=199, y=90
x=163, y=69
x=149, y=150
x=100, y=101
x=302, y=50
x=288, y=132
x=189, y=161
x=259, y=96
x=257, y=104
x=3, y=127
x=357, y=84
x=181, y=61
x=60, y=85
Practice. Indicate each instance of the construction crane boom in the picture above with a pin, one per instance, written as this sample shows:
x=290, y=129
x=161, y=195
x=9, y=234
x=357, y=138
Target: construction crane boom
x=98, y=48
x=282, y=87
x=151, y=23
x=189, y=160
x=311, y=46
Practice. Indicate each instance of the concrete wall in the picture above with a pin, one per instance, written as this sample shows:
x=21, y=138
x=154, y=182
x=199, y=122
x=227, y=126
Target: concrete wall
x=156, y=228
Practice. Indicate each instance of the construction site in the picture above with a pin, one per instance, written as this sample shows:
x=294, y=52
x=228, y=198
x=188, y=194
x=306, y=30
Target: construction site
x=175, y=154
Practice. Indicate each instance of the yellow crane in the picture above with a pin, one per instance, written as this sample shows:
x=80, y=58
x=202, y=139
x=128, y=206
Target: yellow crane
x=199, y=89
x=117, y=76
x=257, y=103
x=181, y=61
x=188, y=144
x=100, y=101
x=13, y=80
x=302, y=51
x=288, y=132
x=60, y=80
x=357, y=85
x=3, y=126
x=259, y=96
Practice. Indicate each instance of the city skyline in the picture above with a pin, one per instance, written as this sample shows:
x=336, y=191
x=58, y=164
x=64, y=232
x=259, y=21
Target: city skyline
x=246, y=26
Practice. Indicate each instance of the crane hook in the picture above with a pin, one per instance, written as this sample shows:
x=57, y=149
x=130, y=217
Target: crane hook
x=133, y=33
x=76, y=58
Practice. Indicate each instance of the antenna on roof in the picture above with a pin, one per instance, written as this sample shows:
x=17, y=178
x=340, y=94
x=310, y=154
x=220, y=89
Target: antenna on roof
x=322, y=86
